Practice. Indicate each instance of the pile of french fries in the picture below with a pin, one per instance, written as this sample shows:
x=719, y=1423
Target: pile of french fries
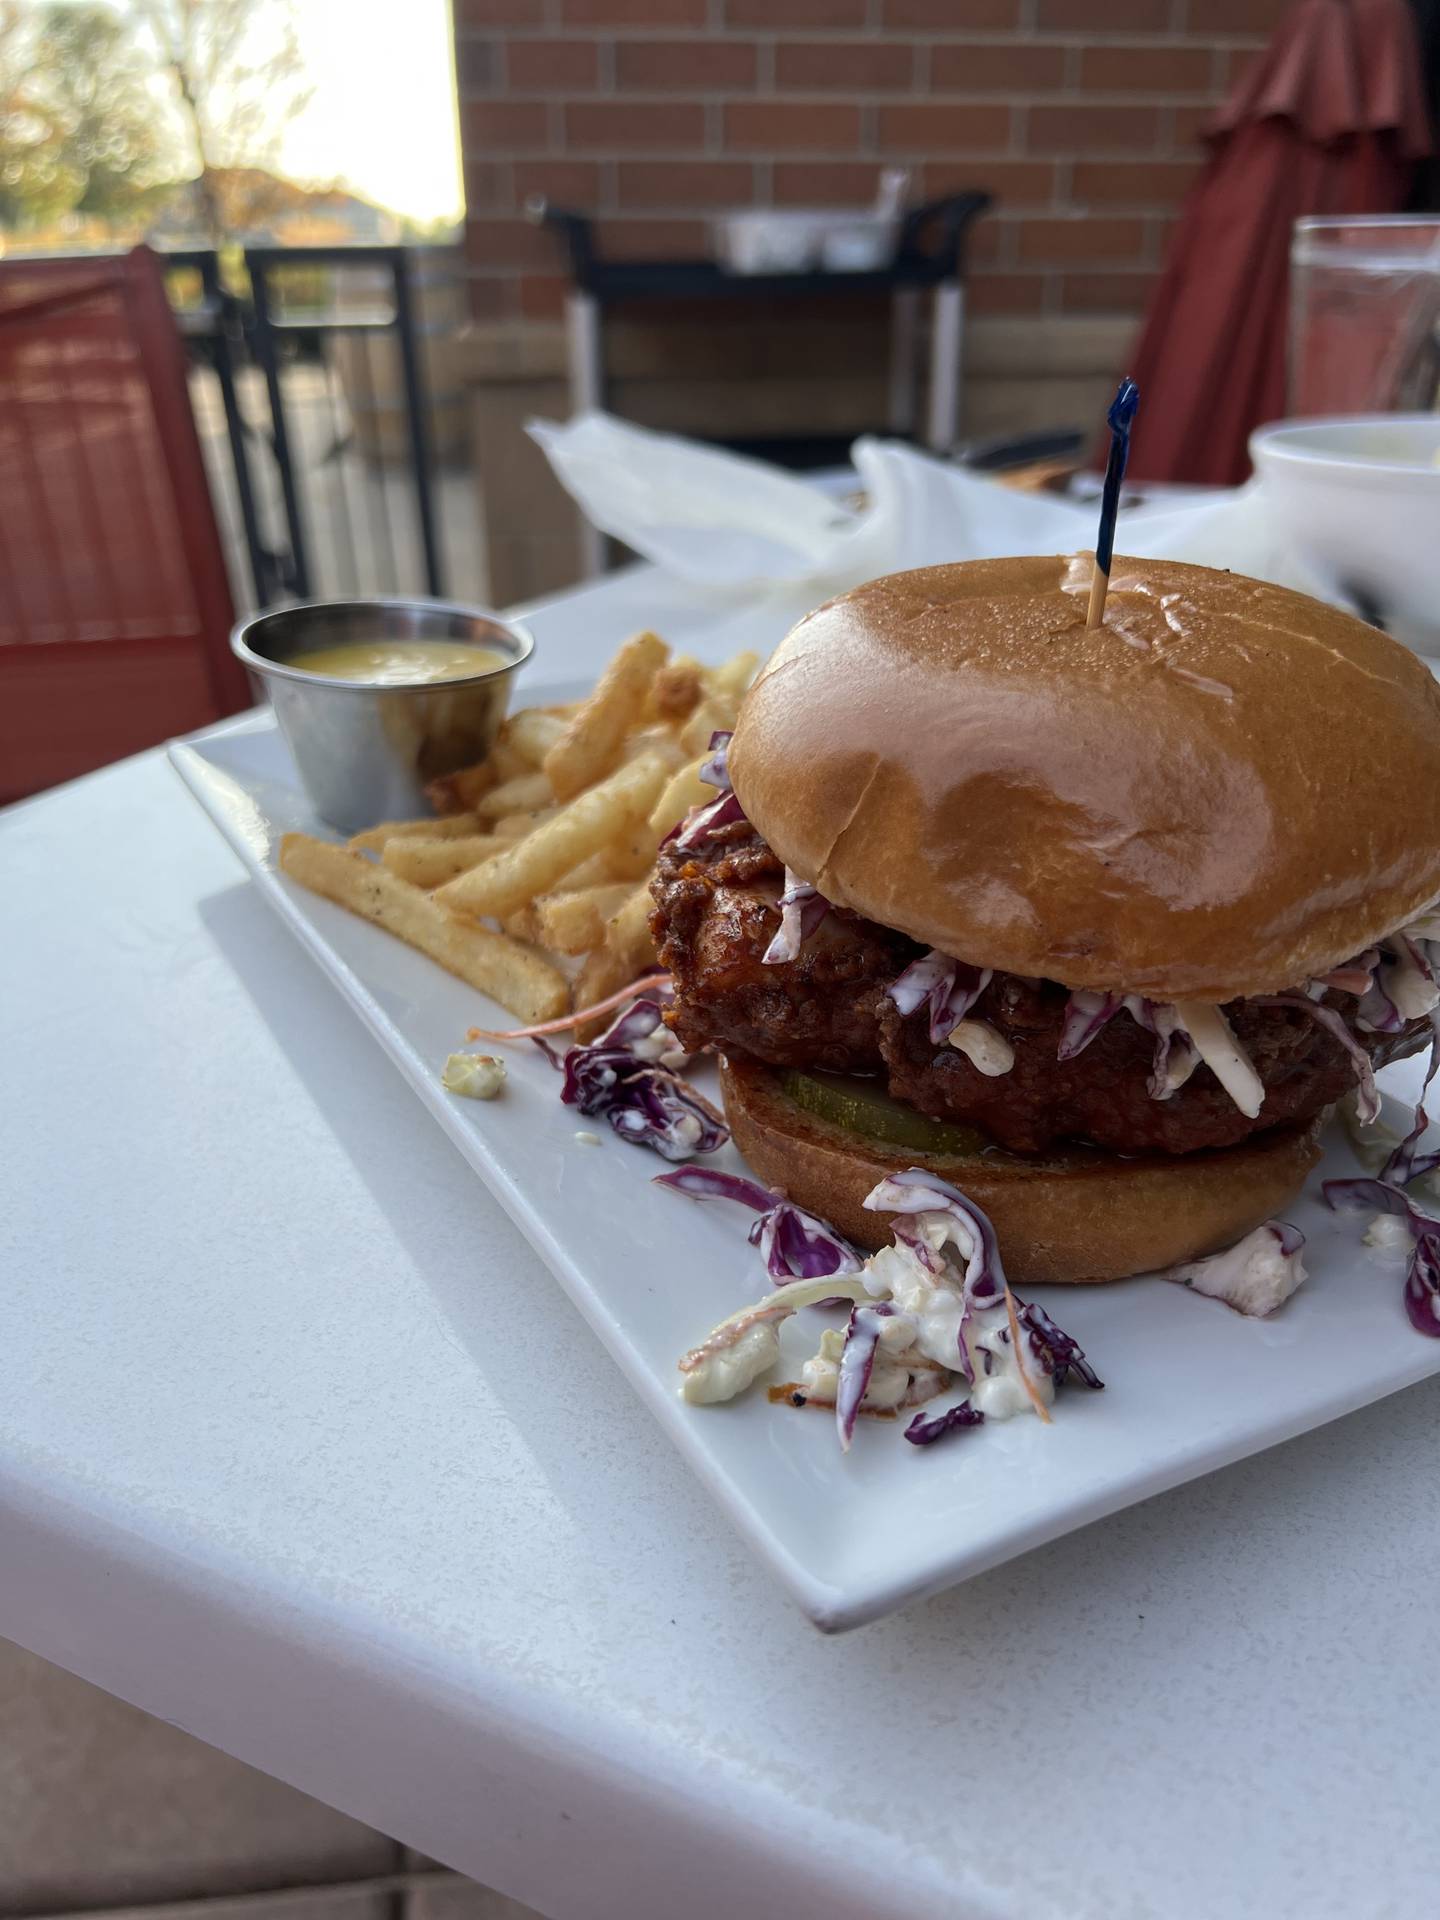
x=532, y=881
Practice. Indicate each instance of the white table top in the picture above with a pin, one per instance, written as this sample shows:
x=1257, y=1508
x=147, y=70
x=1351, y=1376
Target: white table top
x=269, y=1469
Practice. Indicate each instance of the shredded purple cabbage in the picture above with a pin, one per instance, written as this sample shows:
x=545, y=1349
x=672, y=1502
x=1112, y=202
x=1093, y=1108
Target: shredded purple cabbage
x=857, y=1363
x=1376, y=1011
x=798, y=1247
x=1422, y=1275
x=712, y=1183
x=1056, y=1351
x=628, y=1076
x=1347, y=1196
x=1419, y=954
x=1175, y=1057
x=1406, y=1163
x=1085, y=1014
x=984, y=1285
x=701, y=822
x=914, y=1191
x=794, y=1245
x=723, y=811
x=1379, y=1010
x=715, y=771
x=951, y=987
x=919, y=980
x=641, y=1028
x=801, y=911
x=1292, y=1240
x=591, y=1073
x=660, y=1112
x=1422, y=1287
x=647, y=1105
x=924, y=1430
x=922, y=1250
x=1356, y=977
x=950, y=1006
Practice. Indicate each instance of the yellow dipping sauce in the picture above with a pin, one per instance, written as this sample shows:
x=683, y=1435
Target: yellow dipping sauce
x=398, y=663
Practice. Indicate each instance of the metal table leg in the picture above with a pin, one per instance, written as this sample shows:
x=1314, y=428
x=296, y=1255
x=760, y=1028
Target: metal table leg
x=904, y=359
x=587, y=394
x=942, y=427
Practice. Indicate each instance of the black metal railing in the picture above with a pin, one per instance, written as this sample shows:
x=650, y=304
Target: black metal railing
x=213, y=328
x=327, y=425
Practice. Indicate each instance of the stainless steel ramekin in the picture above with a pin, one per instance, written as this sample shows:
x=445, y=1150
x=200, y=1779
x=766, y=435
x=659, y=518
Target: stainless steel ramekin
x=365, y=752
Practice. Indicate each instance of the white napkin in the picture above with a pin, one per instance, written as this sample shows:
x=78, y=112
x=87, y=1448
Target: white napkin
x=735, y=527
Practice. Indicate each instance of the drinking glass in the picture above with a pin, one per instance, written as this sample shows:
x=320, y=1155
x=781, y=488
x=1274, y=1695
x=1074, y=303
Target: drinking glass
x=1364, y=315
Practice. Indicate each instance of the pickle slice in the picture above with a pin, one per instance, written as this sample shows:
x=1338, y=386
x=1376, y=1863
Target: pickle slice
x=864, y=1107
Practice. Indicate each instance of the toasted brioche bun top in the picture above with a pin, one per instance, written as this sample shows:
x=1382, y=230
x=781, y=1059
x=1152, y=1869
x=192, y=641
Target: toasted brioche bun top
x=1225, y=789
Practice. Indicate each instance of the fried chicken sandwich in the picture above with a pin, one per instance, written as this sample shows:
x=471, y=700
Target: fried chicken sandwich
x=1097, y=924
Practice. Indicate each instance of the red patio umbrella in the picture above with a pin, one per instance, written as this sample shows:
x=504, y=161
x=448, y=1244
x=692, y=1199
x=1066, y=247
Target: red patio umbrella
x=1330, y=120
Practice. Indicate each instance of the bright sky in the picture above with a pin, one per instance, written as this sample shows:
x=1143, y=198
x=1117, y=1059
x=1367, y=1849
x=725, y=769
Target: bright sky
x=381, y=116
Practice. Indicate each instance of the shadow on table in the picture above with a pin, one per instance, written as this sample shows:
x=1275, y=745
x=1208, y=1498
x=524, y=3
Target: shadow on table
x=1169, y=1559
x=432, y=1199
x=383, y=1129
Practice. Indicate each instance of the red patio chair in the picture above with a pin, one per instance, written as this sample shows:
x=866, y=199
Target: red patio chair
x=114, y=601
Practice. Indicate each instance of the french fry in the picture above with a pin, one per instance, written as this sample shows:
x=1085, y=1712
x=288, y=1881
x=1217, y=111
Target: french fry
x=594, y=872
x=430, y=863
x=533, y=865
x=458, y=792
x=593, y=740
x=531, y=733
x=656, y=739
x=523, y=923
x=713, y=715
x=629, y=858
x=602, y=974
x=526, y=790
x=574, y=922
x=506, y=761
x=732, y=678
x=525, y=984
x=454, y=826
x=627, y=951
x=627, y=931
x=463, y=791
x=515, y=826
x=632, y=857
x=685, y=790
x=675, y=692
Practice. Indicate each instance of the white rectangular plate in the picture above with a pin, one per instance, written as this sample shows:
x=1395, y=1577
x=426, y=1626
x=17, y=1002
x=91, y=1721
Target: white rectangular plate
x=1190, y=1386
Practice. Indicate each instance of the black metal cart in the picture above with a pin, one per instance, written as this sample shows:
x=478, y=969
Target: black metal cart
x=930, y=255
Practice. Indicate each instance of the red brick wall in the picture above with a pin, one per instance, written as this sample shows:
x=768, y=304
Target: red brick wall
x=1080, y=116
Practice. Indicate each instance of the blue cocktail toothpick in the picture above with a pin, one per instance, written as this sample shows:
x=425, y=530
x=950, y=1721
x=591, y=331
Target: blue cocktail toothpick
x=1119, y=419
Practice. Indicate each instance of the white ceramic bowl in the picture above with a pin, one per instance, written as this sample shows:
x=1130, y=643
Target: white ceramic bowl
x=801, y=239
x=1358, y=497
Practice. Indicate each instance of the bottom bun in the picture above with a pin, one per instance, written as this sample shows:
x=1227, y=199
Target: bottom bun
x=1080, y=1215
